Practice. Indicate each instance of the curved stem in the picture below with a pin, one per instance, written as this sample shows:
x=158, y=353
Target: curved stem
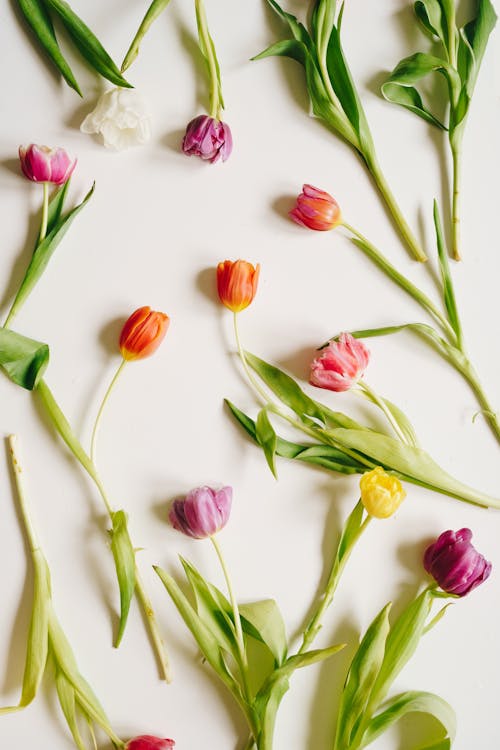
x=381, y=261
x=21, y=494
x=260, y=392
x=373, y=396
x=157, y=640
x=93, y=441
x=455, y=210
x=45, y=213
x=393, y=207
x=237, y=620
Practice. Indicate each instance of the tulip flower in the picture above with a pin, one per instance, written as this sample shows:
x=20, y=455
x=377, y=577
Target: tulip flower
x=381, y=493
x=455, y=564
x=143, y=333
x=148, y=742
x=203, y=512
x=44, y=164
x=208, y=138
x=237, y=283
x=340, y=365
x=316, y=209
x=121, y=117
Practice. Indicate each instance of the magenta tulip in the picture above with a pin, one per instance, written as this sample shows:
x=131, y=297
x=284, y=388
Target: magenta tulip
x=208, y=138
x=44, y=164
x=148, y=742
x=455, y=564
x=203, y=512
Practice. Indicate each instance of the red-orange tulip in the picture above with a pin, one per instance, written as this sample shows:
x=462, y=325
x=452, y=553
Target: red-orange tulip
x=143, y=333
x=237, y=283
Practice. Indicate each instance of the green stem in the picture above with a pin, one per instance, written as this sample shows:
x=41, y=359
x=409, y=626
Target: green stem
x=45, y=213
x=158, y=643
x=381, y=261
x=237, y=621
x=486, y=408
x=21, y=495
x=393, y=207
x=373, y=396
x=208, y=50
x=339, y=563
x=93, y=442
x=455, y=209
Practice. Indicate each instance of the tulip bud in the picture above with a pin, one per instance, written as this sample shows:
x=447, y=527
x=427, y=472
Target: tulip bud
x=44, y=164
x=148, y=742
x=340, y=365
x=202, y=512
x=381, y=493
x=316, y=209
x=143, y=333
x=455, y=564
x=208, y=138
x=237, y=283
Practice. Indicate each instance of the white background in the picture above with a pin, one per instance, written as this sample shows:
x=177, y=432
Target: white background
x=152, y=234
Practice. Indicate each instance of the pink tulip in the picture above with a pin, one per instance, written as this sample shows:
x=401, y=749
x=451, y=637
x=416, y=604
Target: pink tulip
x=202, y=512
x=455, y=564
x=340, y=365
x=148, y=742
x=208, y=138
x=316, y=209
x=44, y=164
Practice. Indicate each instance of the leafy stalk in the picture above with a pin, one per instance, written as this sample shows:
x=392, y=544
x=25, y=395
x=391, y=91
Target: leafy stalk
x=207, y=48
x=153, y=12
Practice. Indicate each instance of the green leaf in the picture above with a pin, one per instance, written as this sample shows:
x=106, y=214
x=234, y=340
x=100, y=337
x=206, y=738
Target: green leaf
x=291, y=48
x=413, y=702
x=266, y=437
x=38, y=636
x=66, y=695
x=477, y=34
x=363, y=672
x=447, y=281
x=298, y=29
x=431, y=16
x=436, y=618
x=87, y=43
x=399, y=87
x=155, y=9
x=43, y=253
x=285, y=387
x=24, y=360
x=263, y=621
x=124, y=557
x=38, y=19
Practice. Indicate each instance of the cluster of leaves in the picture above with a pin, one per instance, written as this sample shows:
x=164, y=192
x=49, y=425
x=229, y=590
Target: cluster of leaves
x=364, y=714
x=343, y=445
x=39, y=13
x=259, y=686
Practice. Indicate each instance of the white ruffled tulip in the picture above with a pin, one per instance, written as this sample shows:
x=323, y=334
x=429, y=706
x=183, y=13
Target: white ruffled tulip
x=121, y=118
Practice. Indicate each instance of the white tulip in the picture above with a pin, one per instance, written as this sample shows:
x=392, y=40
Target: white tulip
x=122, y=119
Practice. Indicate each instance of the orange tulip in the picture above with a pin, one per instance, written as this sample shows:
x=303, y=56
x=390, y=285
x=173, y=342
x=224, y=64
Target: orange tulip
x=237, y=283
x=143, y=333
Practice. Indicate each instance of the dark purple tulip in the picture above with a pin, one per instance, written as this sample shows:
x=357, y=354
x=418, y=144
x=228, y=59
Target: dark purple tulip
x=202, y=512
x=455, y=564
x=208, y=138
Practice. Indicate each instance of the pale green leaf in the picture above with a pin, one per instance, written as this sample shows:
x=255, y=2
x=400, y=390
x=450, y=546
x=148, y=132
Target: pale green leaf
x=263, y=621
x=24, y=360
x=124, y=557
x=266, y=437
x=155, y=9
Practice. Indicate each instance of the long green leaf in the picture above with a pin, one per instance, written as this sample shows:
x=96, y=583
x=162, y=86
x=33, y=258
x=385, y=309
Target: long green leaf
x=43, y=254
x=24, y=360
x=430, y=15
x=413, y=702
x=155, y=9
x=87, y=43
x=263, y=621
x=124, y=557
x=266, y=437
x=56, y=206
x=38, y=19
x=447, y=281
x=477, y=34
x=66, y=695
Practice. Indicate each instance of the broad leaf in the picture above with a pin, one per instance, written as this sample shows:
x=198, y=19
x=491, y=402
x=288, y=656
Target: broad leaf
x=155, y=9
x=37, y=17
x=56, y=205
x=263, y=621
x=477, y=34
x=24, y=360
x=124, y=557
x=266, y=437
x=430, y=15
x=291, y=48
x=87, y=43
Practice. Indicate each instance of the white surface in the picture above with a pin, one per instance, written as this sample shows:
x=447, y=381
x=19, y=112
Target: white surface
x=156, y=227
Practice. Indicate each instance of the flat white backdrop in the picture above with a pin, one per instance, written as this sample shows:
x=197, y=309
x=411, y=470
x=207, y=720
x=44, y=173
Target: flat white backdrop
x=152, y=234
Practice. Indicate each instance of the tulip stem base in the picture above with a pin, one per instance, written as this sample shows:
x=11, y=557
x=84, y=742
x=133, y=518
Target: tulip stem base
x=93, y=440
x=152, y=625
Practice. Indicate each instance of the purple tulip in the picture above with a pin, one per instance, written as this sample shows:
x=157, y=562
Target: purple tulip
x=44, y=164
x=208, y=138
x=202, y=512
x=455, y=564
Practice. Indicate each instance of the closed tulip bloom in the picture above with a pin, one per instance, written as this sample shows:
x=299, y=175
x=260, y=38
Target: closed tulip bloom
x=203, y=512
x=237, y=283
x=455, y=564
x=143, y=333
x=208, y=138
x=381, y=493
x=148, y=742
x=44, y=164
x=340, y=365
x=316, y=209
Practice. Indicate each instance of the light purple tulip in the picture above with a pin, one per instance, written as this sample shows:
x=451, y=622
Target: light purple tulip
x=203, y=512
x=208, y=138
x=44, y=164
x=455, y=564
